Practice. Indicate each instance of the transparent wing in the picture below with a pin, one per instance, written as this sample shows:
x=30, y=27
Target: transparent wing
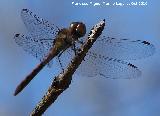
x=123, y=49
x=37, y=48
x=37, y=26
x=66, y=57
x=97, y=65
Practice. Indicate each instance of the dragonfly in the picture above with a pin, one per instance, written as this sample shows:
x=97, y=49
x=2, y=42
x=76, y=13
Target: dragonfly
x=107, y=57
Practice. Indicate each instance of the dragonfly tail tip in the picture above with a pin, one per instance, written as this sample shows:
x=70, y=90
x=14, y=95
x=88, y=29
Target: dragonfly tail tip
x=18, y=90
x=15, y=93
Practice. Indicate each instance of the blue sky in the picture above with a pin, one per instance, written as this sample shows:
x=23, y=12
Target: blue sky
x=86, y=96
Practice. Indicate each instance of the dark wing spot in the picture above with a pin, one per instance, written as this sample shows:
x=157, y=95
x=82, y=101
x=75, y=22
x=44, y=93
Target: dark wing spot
x=25, y=10
x=129, y=64
x=17, y=35
x=145, y=42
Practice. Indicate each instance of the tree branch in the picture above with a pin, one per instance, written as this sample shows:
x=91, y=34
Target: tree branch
x=63, y=80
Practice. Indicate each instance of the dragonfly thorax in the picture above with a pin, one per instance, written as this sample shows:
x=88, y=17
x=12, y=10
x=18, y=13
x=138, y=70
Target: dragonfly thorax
x=77, y=29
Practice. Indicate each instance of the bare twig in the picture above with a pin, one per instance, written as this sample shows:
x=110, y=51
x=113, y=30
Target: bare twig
x=63, y=80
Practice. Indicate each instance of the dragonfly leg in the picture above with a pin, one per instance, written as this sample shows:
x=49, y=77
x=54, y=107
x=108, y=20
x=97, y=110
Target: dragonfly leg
x=59, y=55
x=74, y=49
x=60, y=63
x=79, y=41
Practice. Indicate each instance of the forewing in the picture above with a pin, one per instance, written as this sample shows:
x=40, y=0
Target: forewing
x=38, y=26
x=123, y=49
x=40, y=29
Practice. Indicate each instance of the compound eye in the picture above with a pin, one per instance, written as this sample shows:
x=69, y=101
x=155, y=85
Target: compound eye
x=81, y=29
x=73, y=25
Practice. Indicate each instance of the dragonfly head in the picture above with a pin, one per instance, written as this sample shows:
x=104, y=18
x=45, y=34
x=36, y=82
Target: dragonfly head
x=78, y=29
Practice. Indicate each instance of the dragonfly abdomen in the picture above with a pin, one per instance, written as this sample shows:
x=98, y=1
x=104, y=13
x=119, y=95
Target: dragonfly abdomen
x=35, y=71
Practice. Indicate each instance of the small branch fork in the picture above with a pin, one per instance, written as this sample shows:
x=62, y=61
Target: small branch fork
x=63, y=80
